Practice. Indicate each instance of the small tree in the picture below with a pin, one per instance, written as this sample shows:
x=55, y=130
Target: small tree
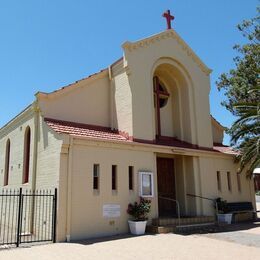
x=242, y=89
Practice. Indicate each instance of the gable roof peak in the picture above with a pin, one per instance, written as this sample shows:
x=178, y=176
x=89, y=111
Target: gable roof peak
x=132, y=46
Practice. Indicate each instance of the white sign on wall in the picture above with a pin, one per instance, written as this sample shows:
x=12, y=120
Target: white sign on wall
x=111, y=211
x=146, y=184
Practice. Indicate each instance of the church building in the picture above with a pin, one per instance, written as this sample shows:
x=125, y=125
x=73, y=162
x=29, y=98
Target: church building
x=140, y=128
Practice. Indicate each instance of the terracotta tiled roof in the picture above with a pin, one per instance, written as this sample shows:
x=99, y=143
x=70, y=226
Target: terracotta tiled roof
x=224, y=149
x=105, y=133
x=84, y=130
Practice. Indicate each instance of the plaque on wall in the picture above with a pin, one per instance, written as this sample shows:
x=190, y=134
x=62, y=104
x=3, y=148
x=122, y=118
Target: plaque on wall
x=111, y=211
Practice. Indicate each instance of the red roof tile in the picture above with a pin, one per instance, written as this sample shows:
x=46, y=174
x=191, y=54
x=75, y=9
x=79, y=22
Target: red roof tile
x=84, y=130
x=225, y=149
x=105, y=133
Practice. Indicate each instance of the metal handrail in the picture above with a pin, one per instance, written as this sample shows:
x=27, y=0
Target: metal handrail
x=178, y=206
x=214, y=200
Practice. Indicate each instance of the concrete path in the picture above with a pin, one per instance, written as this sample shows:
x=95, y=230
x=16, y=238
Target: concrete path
x=164, y=246
x=243, y=234
x=237, y=242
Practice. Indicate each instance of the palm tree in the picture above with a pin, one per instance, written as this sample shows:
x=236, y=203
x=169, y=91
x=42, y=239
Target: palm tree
x=245, y=133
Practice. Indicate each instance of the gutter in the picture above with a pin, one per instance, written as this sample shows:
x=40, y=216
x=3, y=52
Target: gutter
x=36, y=116
x=69, y=190
x=154, y=148
x=35, y=143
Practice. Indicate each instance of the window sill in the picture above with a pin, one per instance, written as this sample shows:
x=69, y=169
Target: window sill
x=96, y=192
x=114, y=192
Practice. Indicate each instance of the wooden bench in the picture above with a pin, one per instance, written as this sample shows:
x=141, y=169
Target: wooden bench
x=242, y=211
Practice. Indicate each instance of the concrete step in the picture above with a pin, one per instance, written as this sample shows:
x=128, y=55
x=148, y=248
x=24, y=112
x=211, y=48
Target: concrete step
x=182, y=225
x=179, y=229
x=160, y=229
x=195, y=227
x=183, y=221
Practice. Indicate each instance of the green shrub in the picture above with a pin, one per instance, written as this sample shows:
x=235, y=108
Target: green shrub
x=139, y=211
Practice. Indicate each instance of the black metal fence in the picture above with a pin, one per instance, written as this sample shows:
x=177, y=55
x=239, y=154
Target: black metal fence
x=27, y=216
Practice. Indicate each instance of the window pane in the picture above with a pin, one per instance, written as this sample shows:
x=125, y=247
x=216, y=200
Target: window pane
x=95, y=176
x=218, y=180
x=27, y=146
x=229, y=181
x=7, y=162
x=130, y=177
x=147, y=184
x=114, y=177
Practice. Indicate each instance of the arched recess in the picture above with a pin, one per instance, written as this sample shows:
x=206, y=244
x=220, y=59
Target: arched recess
x=176, y=118
x=7, y=162
x=27, y=154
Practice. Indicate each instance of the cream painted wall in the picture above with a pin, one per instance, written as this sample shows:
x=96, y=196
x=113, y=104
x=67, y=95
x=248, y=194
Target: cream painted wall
x=141, y=59
x=180, y=183
x=15, y=132
x=191, y=209
x=63, y=194
x=125, y=103
x=87, y=101
x=208, y=170
x=48, y=158
x=217, y=132
x=168, y=128
x=87, y=219
x=121, y=100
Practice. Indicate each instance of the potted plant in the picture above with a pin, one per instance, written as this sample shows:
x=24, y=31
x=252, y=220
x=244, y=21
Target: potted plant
x=139, y=211
x=223, y=214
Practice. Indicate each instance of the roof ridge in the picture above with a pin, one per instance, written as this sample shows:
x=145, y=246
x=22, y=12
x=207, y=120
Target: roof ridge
x=81, y=125
x=71, y=84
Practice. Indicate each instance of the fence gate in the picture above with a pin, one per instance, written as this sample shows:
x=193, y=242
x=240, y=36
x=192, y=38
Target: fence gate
x=27, y=216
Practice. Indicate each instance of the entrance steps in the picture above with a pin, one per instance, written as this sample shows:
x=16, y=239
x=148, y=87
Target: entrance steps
x=185, y=224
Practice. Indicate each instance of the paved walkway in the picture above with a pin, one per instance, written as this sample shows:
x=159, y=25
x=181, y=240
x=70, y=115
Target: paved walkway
x=237, y=242
x=243, y=234
x=240, y=245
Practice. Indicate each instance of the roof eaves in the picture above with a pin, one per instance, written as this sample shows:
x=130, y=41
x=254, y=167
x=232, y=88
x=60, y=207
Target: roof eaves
x=66, y=87
x=217, y=122
x=24, y=111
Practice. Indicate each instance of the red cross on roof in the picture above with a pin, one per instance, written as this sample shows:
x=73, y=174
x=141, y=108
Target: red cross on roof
x=168, y=18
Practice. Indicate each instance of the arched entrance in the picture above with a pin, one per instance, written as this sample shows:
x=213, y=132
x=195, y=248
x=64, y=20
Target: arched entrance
x=173, y=102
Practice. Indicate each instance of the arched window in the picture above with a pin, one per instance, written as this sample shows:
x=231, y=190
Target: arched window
x=27, y=149
x=160, y=93
x=161, y=97
x=7, y=162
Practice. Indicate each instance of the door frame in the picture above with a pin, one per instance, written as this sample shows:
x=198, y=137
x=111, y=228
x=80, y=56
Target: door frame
x=166, y=156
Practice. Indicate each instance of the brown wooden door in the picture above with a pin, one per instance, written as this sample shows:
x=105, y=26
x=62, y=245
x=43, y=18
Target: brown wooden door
x=166, y=186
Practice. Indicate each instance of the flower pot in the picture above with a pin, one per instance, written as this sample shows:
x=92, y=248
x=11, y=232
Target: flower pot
x=225, y=218
x=137, y=227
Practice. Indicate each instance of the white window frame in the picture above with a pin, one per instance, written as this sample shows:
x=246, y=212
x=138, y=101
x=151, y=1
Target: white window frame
x=141, y=185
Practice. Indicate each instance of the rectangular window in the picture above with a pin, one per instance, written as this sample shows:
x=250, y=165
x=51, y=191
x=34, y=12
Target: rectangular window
x=114, y=177
x=96, y=176
x=130, y=177
x=146, y=184
x=219, y=180
x=238, y=182
x=229, y=181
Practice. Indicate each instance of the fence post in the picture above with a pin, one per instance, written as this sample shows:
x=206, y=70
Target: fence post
x=54, y=215
x=20, y=212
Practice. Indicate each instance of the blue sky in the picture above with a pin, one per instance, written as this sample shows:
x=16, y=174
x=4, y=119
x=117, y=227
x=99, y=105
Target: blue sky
x=48, y=44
